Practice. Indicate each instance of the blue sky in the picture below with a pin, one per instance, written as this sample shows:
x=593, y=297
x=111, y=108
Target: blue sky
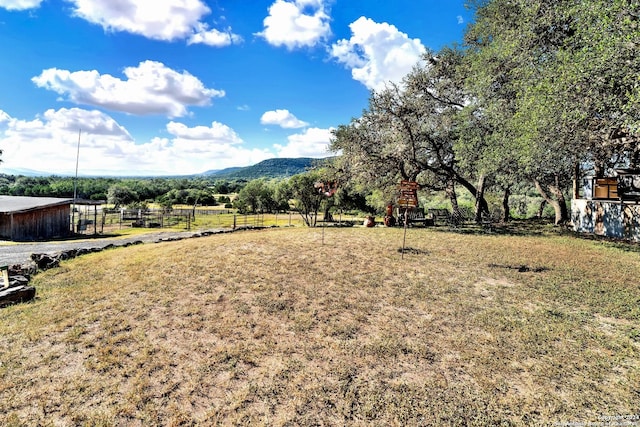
x=172, y=87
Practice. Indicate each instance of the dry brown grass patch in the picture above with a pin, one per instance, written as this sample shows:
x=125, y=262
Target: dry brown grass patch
x=274, y=328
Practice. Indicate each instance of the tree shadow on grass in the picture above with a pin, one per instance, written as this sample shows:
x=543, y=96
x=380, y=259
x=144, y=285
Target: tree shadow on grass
x=538, y=228
x=529, y=227
x=413, y=251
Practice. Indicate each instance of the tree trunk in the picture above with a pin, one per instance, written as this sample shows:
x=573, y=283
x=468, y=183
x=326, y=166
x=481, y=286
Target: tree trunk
x=543, y=204
x=479, y=209
x=327, y=212
x=598, y=169
x=484, y=206
x=562, y=213
x=576, y=180
x=314, y=212
x=559, y=204
x=456, y=215
x=505, y=205
x=634, y=161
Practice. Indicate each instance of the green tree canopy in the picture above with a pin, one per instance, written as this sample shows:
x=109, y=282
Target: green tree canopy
x=557, y=82
x=121, y=195
x=410, y=131
x=306, y=194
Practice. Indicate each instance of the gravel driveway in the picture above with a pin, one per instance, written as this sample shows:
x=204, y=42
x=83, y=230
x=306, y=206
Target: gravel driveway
x=12, y=253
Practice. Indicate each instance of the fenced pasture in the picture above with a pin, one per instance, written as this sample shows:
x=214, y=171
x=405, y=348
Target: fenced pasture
x=273, y=327
x=185, y=218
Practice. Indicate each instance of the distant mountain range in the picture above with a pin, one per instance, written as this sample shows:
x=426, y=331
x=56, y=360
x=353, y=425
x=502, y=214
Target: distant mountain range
x=23, y=172
x=271, y=168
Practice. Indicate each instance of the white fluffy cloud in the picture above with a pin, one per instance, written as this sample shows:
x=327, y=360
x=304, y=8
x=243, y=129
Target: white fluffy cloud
x=218, y=133
x=377, y=53
x=296, y=24
x=166, y=20
x=210, y=147
x=158, y=19
x=213, y=37
x=94, y=122
x=282, y=118
x=20, y=4
x=150, y=88
x=313, y=142
x=48, y=143
x=57, y=122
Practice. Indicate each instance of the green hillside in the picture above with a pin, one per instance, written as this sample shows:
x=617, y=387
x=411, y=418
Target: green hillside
x=271, y=168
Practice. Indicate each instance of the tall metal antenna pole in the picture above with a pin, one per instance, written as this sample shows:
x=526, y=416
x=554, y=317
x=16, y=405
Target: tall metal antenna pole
x=75, y=186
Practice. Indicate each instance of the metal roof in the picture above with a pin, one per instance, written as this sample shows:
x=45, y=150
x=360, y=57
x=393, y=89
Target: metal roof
x=12, y=204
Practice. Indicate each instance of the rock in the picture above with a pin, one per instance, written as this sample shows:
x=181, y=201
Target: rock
x=16, y=295
x=26, y=270
x=70, y=254
x=18, y=281
x=45, y=261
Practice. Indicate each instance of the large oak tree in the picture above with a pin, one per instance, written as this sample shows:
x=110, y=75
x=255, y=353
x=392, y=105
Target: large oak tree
x=409, y=132
x=558, y=81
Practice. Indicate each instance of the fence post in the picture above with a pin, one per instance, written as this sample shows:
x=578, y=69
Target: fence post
x=234, y=221
x=5, y=276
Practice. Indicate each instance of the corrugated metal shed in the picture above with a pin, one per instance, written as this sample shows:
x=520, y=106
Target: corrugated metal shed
x=34, y=218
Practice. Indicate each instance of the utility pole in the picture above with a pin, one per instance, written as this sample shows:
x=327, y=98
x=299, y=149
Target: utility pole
x=75, y=188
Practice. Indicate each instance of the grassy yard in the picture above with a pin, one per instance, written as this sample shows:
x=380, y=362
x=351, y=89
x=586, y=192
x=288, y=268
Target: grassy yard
x=274, y=328
x=211, y=221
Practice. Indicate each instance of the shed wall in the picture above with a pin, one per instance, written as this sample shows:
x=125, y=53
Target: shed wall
x=38, y=224
x=5, y=226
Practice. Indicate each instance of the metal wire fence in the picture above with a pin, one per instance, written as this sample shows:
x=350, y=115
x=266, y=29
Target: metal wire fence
x=108, y=220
